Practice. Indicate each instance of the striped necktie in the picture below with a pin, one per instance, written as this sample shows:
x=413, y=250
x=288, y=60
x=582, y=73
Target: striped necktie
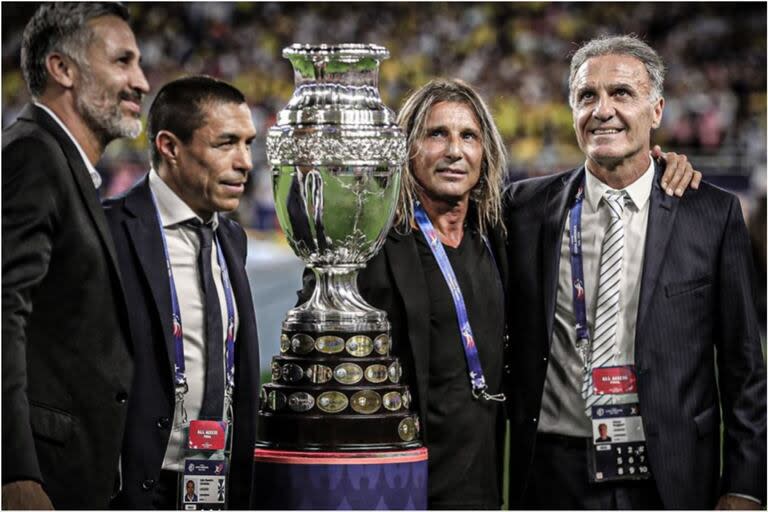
x=608, y=296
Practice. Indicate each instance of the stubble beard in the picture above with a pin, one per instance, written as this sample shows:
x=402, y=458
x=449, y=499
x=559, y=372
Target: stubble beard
x=102, y=114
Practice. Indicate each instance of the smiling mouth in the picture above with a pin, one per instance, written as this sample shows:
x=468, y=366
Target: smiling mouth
x=133, y=106
x=606, y=131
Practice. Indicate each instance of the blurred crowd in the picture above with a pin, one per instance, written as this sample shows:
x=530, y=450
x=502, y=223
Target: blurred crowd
x=516, y=53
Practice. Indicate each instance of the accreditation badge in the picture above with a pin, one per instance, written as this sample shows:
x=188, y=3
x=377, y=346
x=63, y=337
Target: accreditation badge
x=203, y=484
x=618, y=450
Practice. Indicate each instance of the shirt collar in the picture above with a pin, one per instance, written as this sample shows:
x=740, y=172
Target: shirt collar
x=639, y=191
x=173, y=210
x=95, y=176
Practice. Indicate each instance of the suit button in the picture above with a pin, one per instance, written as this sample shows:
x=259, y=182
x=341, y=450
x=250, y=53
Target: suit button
x=535, y=420
x=544, y=359
x=163, y=423
x=121, y=397
x=147, y=484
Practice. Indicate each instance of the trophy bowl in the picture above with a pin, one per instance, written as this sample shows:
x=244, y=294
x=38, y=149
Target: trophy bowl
x=336, y=154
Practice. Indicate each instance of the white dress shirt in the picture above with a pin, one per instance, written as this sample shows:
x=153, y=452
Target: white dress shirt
x=183, y=249
x=95, y=176
x=562, y=407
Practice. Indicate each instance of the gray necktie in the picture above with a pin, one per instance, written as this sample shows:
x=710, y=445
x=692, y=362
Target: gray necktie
x=608, y=295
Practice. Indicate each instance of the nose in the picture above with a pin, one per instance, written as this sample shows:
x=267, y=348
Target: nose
x=604, y=109
x=243, y=161
x=453, y=148
x=139, y=81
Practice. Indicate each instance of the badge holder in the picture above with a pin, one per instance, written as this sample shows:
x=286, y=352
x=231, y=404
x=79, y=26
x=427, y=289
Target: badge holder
x=618, y=449
x=203, y=481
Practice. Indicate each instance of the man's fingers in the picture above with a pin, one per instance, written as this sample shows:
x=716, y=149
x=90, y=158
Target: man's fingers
x=696, y=180
x=674, y=172
x=684, y=181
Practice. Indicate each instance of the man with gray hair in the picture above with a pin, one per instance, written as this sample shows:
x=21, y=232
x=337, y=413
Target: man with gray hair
x=632, y=318
x=66, y=358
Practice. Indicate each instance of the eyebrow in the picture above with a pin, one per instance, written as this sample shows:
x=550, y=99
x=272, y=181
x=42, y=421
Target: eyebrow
x=611, y=86
x=233, y=136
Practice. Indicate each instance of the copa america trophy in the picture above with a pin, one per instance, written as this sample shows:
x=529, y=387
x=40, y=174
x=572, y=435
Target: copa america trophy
x=336, y=154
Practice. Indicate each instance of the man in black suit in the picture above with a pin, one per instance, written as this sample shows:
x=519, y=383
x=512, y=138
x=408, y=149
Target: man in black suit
x=457, y=181
x=670, y=332
x=195, y=340
x=66, y=360
x=455, y=173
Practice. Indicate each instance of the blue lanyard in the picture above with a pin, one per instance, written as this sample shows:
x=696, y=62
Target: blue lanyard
x=577, y=276
x=178, y=334
x=476, y=376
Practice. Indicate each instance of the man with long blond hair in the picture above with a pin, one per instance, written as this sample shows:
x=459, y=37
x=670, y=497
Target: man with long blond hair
x=448, y=229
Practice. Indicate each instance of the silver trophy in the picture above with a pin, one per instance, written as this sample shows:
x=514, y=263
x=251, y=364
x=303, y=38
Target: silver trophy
x=336, y=154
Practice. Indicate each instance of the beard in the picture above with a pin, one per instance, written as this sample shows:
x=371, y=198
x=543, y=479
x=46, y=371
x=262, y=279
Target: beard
x=101, y=111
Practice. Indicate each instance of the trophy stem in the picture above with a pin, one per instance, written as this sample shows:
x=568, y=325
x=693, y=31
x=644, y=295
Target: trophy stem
x=336, y=305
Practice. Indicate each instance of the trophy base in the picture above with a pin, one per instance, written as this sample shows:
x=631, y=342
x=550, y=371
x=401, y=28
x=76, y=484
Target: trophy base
x=302, y=480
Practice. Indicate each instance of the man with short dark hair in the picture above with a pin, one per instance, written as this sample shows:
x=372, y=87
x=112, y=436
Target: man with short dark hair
x=66, y=360
x=191, y=316
x=634, y=309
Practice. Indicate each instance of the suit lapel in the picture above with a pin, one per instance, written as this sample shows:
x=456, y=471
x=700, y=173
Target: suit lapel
x=409, y=280
x=82, y=179
x=661, y=219
x=559, y=199
x=144, y=231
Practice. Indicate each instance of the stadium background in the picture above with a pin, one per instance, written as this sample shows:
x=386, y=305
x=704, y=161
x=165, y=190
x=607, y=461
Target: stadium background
x=515, y=53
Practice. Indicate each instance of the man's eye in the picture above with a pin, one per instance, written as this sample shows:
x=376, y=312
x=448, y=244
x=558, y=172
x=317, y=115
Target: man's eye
x=470, y=136
x=437, y=133
x=586, y=96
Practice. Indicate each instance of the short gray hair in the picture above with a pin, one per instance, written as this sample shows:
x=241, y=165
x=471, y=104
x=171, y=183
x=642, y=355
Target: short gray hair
x=621, y=45
x=60, y=27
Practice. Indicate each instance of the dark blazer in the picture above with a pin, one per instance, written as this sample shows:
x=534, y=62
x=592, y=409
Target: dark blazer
x=66, y=363
x=696, y=318
x=393, y=281
x=133, y=221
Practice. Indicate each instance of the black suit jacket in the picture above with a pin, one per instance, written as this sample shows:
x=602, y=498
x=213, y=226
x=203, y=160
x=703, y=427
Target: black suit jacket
x=66, y=363
x=133, y=220
x=393, y=281
x=696, y=318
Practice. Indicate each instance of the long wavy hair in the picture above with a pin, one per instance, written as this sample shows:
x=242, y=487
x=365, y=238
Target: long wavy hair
x=485, y=197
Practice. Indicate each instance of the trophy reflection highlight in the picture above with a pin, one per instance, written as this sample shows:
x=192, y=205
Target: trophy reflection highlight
x=336, y=154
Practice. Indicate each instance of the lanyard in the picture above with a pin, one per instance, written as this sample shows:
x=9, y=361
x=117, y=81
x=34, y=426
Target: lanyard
x=577, y=276
x=178, y=338
x=476, y=376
